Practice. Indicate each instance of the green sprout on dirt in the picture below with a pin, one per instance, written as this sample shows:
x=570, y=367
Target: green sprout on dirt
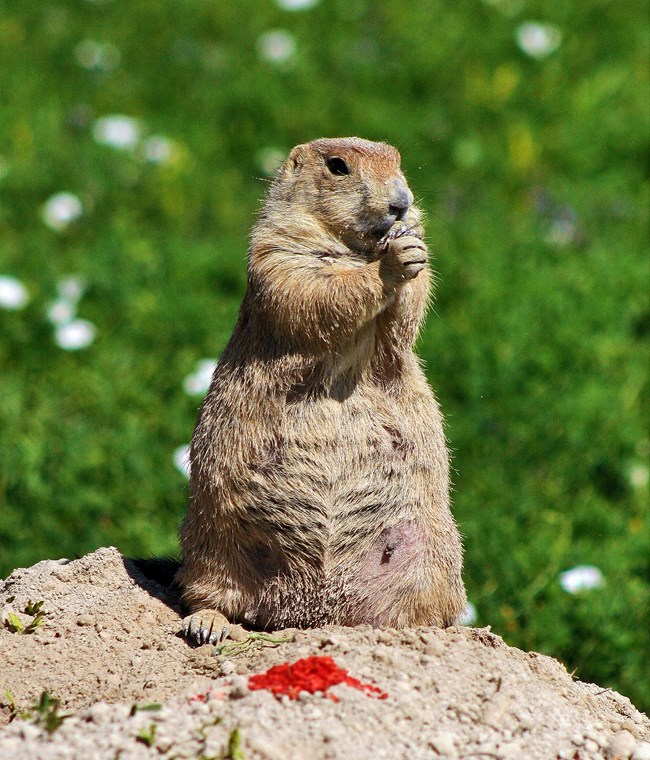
x=234, y=750
x=10, y=703
x=34, y=608
x=252, y=641
x=147, y=735
x=47, y=713
x=16, y=625
x=153, y=707
x=14, y=710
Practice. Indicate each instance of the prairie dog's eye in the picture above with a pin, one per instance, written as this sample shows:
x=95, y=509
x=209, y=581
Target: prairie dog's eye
x=337, y=165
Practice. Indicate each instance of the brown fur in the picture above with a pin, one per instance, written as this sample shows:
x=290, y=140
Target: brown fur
x=319, y=470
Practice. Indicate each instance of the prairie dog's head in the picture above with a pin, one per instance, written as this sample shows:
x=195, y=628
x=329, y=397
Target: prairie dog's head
x=353, y=187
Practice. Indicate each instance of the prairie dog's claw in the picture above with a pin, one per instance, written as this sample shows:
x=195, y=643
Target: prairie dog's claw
x=205, y=627
x=406, y=254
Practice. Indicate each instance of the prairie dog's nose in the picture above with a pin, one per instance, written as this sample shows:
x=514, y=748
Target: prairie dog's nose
x=400, y=199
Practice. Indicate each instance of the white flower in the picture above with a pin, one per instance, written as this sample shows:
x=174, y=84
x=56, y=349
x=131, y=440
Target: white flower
x=71, y=288
x=270, y=160
x=277, y=45
x=199, y=381
x=75, y=335
x=538, y=40
x=61, y=210
x=181, y=458
x=117, y=131
x=61, y=312
x=101, y=56
x=158, y=149
x=581, y=578
x=13, y=294
x=639, y=476
x=468, y=615
x=296, y=5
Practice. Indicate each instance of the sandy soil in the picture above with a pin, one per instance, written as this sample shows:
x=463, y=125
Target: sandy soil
x=130, y=687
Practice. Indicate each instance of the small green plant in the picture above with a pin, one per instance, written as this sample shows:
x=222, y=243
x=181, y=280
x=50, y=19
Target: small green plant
x=153, y=707
x=16, y=625
x=254, y=640
x=47, y=713
x=37, y=622
x=34, y=608
x=234, y=750
x=10, y=702
x=147, y=735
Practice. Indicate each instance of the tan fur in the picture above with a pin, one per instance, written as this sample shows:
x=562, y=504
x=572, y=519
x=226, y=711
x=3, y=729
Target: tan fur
x=319, y=470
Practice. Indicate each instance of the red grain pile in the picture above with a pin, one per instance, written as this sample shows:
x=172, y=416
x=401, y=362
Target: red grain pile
x=310, y=674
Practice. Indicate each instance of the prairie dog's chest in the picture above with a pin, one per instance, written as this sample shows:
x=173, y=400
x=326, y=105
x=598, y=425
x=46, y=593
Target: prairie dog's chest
x=349, y=361
x=340, y=434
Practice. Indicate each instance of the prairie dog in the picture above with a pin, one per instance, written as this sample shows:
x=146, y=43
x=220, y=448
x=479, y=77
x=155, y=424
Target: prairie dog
x=319, y=488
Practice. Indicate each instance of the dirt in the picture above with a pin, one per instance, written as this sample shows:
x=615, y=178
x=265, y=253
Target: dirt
x=130, y=687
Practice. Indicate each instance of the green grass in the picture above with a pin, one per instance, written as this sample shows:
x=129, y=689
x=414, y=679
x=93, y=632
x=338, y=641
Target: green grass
x=533, y=174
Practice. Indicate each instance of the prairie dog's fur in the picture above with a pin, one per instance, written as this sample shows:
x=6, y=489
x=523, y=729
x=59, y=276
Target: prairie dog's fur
x=319, y=470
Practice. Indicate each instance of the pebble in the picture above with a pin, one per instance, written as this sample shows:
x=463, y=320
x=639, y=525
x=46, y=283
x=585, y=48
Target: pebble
x=100, y=713
x=641, y=751
x=328, y=734
x=434, y=648
x=331, y=641
x=85, y=620
x=163, y=741
x=238, y=687
x=408, y=637
x=227, y=668
x=598, y=738
x=630, y=725
x=443, y=744
x=30, y=731
x=620, y=746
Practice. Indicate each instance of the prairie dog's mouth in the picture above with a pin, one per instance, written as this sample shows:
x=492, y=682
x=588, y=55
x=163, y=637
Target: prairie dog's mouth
x=368, y=234
x=382, y=229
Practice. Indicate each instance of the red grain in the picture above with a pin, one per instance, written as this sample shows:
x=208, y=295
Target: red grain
x=311, y=674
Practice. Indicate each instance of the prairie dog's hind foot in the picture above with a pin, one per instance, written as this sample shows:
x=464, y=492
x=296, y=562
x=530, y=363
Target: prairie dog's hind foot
x=205, y=627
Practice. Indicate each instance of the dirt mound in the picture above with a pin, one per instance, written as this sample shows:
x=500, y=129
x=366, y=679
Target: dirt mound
x=104, y=643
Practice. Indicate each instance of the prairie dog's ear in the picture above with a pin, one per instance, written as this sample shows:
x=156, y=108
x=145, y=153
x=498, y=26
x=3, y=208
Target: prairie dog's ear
x=295, y=159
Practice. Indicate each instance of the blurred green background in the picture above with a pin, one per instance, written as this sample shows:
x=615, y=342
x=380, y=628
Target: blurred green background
x=523, y=128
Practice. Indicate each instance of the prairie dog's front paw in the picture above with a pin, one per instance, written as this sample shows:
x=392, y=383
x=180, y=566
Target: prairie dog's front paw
x=205, y=627
x=405, y=254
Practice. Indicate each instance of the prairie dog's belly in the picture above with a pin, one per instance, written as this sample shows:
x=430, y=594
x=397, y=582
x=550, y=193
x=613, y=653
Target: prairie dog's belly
x=349, y=481
x=346, y=471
